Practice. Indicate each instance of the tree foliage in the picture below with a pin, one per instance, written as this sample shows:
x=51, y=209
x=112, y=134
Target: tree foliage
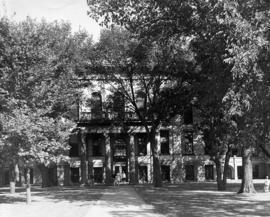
x=39, y=65
x=230, y=40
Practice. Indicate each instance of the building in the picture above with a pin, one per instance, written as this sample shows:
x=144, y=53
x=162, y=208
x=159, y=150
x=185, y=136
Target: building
x=110, y=141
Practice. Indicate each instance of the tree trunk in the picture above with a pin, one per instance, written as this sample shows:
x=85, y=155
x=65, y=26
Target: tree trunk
x=28, y=186
x=157, y=181
x=226, y=169
x=247, y=180
x=14, y=176
x=44, y=175
x=220, y=173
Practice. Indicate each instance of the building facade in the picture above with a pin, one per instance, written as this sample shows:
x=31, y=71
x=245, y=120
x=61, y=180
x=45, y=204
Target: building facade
x=111, y=141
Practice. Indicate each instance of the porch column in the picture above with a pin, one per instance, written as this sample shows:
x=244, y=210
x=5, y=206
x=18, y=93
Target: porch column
x=235, y=168
x=132, y=160
x=83, y=158
x=108, y=160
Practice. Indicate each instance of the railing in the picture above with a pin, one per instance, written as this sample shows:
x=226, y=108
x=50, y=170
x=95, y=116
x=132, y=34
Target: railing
x=103, y=116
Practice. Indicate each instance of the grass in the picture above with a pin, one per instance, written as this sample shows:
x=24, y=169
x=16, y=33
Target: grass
x=202, y=199
x=53, y=202
x=186, y=199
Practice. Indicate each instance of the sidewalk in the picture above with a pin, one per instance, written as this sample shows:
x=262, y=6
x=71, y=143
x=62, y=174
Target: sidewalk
x=121, y=201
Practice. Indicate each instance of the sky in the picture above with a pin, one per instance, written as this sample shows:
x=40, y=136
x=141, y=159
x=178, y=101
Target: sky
x=73, y=11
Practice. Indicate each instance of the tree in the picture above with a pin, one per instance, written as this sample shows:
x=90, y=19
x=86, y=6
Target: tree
x=145, y=75
x=237, y=27
x=251, y=27
x=38, y=69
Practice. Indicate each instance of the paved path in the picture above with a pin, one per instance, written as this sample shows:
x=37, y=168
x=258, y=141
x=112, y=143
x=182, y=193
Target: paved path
x=121, y=201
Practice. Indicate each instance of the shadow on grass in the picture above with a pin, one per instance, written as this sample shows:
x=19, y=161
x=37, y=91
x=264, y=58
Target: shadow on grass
x=53, y=194
x=202, y=199
x=122, y=201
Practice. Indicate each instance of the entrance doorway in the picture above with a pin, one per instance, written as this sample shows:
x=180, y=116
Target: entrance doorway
x=120, y=167
x=98, y=174
x=143, y=176
x=120, y=159
x=165, y=173
x=209, y=172
x=190, y=176
x=75, y=175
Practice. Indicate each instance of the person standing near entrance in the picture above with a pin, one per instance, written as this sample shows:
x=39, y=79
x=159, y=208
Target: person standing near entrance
x=123, y=176
x=117, y=179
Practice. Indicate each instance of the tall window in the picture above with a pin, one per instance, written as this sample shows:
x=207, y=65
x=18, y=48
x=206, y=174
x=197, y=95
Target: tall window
x=164, y=142
x=255, y=171
x=74, y=146
x=206, y=138
x=142, y=172
x=189, y=169
x=120, y=150
x=209, y=172
x=240, y=172
x=97, y=146
x=96, y=105
x=165, y=173
x=188, y=116
x=188, y=143
x=141, y=144
x=119, y=104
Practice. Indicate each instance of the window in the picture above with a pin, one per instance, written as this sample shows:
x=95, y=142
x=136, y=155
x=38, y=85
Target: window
x=189, y=169
x=74, y=145
x=97, y=146
x=96, y=105
x=142, y=172
x=6, y=180
x=188, y=116
x=119, y=104
x=141, y=144
x=74, y=150
x=240, y=172
x=206, y=139
x=188, y=143
x=164, y=142
x=98, y=174
x=209, y=172
x=165, y=173
x=75, y=175
x=230, y=172
x=120, y=150
x=255, y=171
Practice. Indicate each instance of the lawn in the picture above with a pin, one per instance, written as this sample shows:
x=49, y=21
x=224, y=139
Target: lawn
x=53, y=202
x=186, y=199
x=202, y=199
